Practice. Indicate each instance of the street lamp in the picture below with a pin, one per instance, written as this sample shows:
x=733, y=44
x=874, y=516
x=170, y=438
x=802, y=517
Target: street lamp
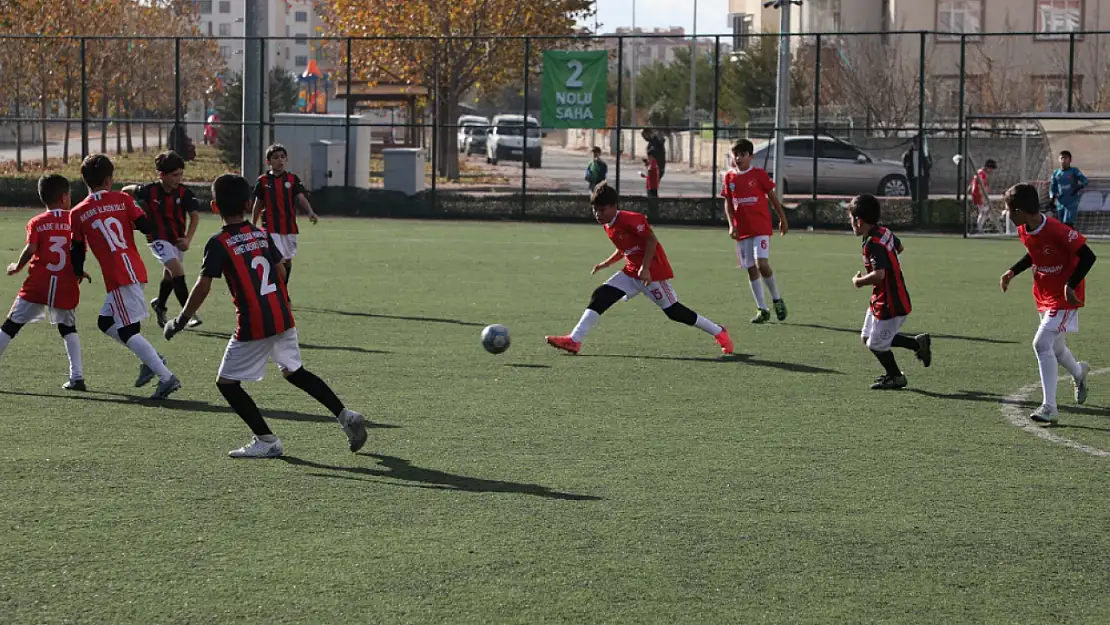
x=632, y=85
x=782, y=94
x=693, y=80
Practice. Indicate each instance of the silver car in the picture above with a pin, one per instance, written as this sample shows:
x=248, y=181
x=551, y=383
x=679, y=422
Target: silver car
x=842, y=168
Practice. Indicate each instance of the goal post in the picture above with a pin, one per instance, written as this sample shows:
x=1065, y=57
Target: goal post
x=1026, y=148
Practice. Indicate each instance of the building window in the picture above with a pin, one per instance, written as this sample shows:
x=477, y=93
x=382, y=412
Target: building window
x=301, y=61
x=301, y=40
x=225, y=30
x=956, y=17
x=225, y=6
x=300, y=16
x=225, y=51
x=209, y=27
x=205, y=7
x=1056, y=18
x=742, y=26
x=1052, y=92
x=946, y=95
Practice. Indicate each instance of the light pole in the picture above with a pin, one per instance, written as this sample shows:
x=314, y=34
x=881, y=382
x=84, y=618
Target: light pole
x=782, y=95
x=693, y=80
x=632, y=84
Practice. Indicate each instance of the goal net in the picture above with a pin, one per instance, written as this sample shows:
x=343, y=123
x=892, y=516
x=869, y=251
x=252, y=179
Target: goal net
x=1026, y=148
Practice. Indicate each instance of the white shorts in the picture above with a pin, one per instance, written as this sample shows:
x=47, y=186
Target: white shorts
x=126, y=305
x=751, y=248
x=1060, y=321
x=29, y=312
x=245, y=361
x=286, y=244
x=166, y=251
x=660, y=293
x=878, y=334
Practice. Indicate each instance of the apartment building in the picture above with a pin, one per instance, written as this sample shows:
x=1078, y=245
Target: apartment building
x=291, y=24
x=660, y=45
x=1017, y=54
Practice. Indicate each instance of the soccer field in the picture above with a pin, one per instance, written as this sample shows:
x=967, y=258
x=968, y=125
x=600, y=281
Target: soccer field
x=647, y=480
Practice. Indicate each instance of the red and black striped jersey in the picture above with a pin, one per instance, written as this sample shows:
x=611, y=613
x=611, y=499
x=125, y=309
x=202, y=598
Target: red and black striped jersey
x=278, y=193
x=247, y=258
x=889, y=298
x=167, y=209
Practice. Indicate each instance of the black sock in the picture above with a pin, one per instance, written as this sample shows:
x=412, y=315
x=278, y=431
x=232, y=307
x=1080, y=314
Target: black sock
x=905, y=342
x=245, y=407
x=288, y=270
x=319, y=389
x=886, y=359
x=181, y=290
x=164, y=290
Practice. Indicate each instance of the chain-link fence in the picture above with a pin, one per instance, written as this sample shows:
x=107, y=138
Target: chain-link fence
x=881, y=113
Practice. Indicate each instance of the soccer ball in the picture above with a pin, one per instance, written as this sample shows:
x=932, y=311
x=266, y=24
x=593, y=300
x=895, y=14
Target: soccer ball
x=495, y=338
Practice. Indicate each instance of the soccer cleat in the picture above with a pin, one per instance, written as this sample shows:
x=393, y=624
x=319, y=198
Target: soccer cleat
x=564, y=343
x=354, y=426
x=167, y=388
x=763, y=316
x=159, y=312
x=1081, y=383
x=258, y=448
x=194, y=322
x=887, y=383
x=924, y=349
x=75, y=385
x=1045, y=415
x=146, y=374
x=724, y=341
x=780, y=309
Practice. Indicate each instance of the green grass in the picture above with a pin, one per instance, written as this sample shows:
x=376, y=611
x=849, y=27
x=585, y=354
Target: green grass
x=646, y=481
x=134, y=167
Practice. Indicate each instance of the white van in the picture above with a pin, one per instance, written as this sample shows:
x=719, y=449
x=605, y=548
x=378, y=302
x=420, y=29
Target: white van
x=513, y=138
x=464, y=127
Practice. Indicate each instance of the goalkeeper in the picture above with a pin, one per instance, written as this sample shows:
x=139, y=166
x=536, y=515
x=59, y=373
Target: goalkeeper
x=1066, y=184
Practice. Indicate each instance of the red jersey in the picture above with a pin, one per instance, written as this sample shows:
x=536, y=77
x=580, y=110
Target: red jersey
x=278, y=193
x=50, y=279
x=1053, y=247
x=747, y=192
x=166, y=209
x=246, y=257
x=979, y=188
x=629, y=232
x=889, y=298
x=651, y=177
x=106, y=221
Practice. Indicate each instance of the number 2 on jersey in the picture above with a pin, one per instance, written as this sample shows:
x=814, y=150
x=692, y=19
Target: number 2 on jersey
x=266, y=287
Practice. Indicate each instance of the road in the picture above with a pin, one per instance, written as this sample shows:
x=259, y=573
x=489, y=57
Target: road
x=564, y=171
x=55, y=148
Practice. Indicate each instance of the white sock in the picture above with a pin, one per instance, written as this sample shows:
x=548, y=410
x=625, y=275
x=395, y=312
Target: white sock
x=146, y=353
x=4, y=340
x=114, y=333
x=1049, y=366
x=1065, y=357
x=707, y=326
x=585, y=324
x=770, y=282
x=757, y=292
x=73, y=350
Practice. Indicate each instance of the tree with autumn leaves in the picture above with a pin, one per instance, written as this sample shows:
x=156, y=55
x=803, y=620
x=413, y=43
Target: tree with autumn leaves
x=461, y=46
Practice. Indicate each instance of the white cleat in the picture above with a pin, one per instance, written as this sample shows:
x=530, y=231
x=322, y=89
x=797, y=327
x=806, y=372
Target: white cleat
x=354, y=426
x=1045, y=416
x=258, y=448
x=1081, y=383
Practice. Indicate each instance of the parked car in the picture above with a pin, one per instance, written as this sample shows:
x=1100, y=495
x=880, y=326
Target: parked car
x=842, y=168
x=514, y=138
x=469, y=121
x=475, y=140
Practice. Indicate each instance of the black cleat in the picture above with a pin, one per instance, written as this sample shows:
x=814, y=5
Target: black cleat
x=924, y=349
x=159, y=312
x=888, y=383
x=75, y=385
x=780, y=309
x=761, y=316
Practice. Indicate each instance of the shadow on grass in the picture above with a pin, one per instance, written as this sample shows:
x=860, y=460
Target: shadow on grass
x=518, y=365
x=369, y=315
x=400, y=469
x=1002, y=400
x=189, y=405
x=746, y=359
x=308, y=346
x=948, y=337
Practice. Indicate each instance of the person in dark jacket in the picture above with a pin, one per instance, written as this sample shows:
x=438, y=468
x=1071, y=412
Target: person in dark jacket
x=656, y=148
x=917, y=165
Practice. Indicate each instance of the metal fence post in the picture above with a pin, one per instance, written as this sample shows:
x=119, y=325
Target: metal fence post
x=1071, y=71
x=264, y=98
x=919, y=205
x=620, y=98
x=962, y=140
x=816, y=109
x=436, y=135
x=347, y=123
x=177, y=94
x=524, y=152
x=84, y=101
x=716, y=110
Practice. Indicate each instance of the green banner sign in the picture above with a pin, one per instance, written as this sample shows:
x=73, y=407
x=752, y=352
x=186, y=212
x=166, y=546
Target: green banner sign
x=575, y=85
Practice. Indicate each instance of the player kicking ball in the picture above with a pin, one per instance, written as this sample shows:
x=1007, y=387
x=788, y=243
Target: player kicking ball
x=51, y=290
x=252, y=266
x=1060, y=259
x=747, y=190
x=890, y=300
x=646, y=271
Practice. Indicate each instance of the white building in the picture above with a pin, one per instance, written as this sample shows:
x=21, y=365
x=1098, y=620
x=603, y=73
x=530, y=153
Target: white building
x=659, y=45
x=291, y=25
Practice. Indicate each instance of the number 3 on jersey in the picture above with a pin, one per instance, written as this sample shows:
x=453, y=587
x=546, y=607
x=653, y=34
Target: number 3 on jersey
x=266, y=286
x=58, y=246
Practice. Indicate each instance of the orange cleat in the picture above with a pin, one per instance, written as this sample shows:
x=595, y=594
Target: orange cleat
x=566, y=343
x=724, y=341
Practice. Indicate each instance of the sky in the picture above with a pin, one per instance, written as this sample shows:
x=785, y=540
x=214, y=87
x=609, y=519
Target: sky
x=712, y=14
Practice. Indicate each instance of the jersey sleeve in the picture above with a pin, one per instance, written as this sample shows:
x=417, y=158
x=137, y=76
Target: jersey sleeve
x=32, y=236
x=75, y=233
x=142, y=196
x=878, y=256
x=765, y=181
x=189, y=201
x=215, y=255
x=259, y=190
x=134, y=212
x=298, y=186
x=726, y=179
x=1069, y=238
x=639, y=224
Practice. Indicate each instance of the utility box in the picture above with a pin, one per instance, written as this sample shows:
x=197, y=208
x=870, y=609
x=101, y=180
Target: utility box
x=404, y=170
x=297, y=132
x=327, y=164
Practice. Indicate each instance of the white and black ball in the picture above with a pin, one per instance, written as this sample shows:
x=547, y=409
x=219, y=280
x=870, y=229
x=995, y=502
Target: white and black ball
x=495, y=338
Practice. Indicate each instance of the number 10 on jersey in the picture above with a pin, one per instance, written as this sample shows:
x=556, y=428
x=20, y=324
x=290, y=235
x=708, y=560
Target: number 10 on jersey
x=575, y=87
